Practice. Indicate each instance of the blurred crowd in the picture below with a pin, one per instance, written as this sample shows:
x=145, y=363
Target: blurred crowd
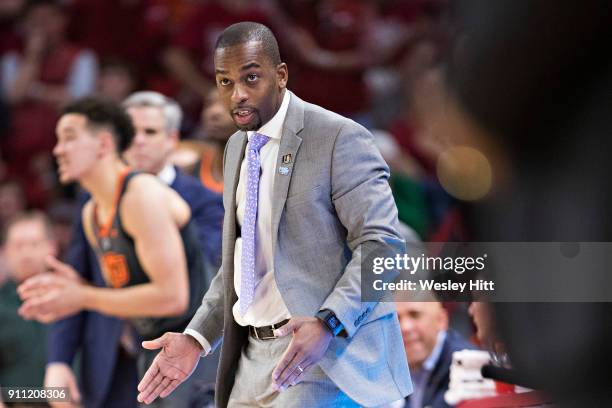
x=379, y=62
x=373, y=61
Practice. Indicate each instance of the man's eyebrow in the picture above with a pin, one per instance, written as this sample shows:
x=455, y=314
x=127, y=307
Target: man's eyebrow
x=242, y=68
x=249, y=66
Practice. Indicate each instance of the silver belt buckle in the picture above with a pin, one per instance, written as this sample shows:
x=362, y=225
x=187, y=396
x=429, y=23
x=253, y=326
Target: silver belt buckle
x=273, y=336
x=265, y=337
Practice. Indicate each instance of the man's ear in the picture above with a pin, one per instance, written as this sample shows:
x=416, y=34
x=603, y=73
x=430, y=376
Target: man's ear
x=174, y=138
x=445, y=319
x=282, y=75
x=54, y=248
x=107, y=142
x=442, y=319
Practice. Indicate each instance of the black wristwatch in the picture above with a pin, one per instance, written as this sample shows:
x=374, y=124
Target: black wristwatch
x=330, y=320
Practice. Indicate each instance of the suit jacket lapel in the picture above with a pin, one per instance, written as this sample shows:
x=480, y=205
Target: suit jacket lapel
x=234, y=156
x=233, y=160
x=289, y=144
x=438, y=378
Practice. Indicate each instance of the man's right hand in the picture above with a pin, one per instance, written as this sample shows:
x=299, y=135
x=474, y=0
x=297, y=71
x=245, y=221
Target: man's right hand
x=173, y=365
x=61, y=375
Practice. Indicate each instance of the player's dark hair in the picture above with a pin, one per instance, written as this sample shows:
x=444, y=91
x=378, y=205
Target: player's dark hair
x=106, y=114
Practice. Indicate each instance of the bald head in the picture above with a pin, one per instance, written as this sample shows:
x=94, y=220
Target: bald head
x=28, y=240
x=420, y=322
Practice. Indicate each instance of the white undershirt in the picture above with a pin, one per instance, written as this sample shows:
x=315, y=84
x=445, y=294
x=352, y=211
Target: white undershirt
x=167, y=174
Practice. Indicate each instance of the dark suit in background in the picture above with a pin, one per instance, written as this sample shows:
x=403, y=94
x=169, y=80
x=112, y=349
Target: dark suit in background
x=437, y=384
x=22, y=351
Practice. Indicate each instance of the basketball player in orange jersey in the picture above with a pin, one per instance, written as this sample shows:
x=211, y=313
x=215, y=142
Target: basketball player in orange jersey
x=139, y=228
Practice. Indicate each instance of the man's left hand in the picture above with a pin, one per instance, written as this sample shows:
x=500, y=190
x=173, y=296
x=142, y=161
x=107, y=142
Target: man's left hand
x=49, y=297
x=310, y=341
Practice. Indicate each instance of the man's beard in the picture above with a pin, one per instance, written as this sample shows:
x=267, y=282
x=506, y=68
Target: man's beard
x=250, y=127
x=255, y=126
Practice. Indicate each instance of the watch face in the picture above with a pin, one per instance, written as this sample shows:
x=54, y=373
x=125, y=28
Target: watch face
x=333, y=322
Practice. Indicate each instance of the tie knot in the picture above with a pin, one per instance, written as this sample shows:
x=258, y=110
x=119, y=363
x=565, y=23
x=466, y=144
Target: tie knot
x=258, y=141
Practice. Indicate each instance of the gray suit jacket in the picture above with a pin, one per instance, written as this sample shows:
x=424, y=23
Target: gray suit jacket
x=334, y=199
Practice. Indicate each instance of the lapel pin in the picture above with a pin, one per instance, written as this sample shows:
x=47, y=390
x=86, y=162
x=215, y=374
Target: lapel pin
x=283, y=170
x=287, y=158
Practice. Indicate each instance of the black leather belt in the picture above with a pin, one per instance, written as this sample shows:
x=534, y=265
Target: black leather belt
x=266, y=332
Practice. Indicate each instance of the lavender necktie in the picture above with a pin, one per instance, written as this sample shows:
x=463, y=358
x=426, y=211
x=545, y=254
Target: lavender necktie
x=248, y=279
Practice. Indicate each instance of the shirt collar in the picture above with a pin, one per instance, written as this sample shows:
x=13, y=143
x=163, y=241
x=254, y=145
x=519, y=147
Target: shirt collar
x=274, y=127
x=434, y=356
x=167, y=174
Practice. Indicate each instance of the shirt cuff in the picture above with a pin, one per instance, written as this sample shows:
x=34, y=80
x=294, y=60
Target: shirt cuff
x=200, y=339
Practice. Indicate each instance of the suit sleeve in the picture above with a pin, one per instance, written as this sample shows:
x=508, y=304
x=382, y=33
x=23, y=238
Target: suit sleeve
x=208, y=319
x=65, y=336
x=365, y=206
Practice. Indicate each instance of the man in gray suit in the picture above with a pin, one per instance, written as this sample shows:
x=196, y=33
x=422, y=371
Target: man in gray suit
x=306, y=196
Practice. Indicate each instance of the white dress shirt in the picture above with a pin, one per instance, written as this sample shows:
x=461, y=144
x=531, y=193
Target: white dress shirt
x=268, y=306
x=167, y=174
